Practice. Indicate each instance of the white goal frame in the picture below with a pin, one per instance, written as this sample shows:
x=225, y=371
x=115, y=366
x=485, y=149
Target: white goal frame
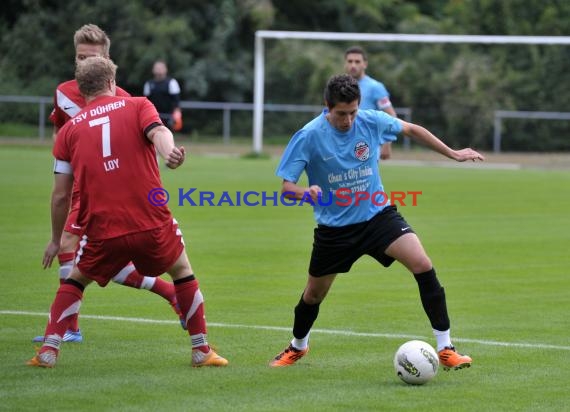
x=261, y=35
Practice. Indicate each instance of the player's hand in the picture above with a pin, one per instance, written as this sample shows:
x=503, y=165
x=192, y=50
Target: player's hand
x=314, y=192
x=51, y=252
x=467, y=154
x=176, y=157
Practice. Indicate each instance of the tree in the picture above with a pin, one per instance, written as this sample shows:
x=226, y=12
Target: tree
x=452, y=89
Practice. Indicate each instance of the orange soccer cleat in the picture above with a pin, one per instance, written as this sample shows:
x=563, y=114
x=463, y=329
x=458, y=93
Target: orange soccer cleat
x=211, y=358
x=288, y=357
x=45, y=359
x=451, y=359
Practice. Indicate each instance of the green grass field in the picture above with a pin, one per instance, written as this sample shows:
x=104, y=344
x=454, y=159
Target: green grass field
x=498, y=238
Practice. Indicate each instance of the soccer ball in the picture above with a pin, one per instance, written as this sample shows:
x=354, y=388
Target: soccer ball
x=416, y=362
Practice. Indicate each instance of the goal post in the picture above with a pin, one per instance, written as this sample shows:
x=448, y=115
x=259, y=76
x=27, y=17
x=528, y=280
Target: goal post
x=261, y=35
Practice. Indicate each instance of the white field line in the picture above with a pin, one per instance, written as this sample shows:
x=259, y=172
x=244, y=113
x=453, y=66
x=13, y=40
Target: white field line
x=288, y=329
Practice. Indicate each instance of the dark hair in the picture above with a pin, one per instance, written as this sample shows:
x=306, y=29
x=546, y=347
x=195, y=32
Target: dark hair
x=341, y=88
x=356, y=50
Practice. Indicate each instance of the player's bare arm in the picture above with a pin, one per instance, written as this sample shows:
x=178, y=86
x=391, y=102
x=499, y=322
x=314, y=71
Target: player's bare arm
x=422, y=135
x=54, y=135
x=163, y=140
x=389, y=110
x=294, y=191
x=386, y=149
x=60, y=202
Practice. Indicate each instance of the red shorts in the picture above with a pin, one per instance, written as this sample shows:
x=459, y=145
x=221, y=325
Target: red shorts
x=71, y=224
x=152, y=252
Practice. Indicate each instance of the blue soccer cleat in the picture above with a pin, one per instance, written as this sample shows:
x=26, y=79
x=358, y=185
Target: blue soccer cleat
x=176, y=307
x=70, y=336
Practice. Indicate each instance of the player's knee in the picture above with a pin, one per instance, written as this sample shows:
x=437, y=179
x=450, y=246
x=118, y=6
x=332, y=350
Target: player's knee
x=78, y=277
x=312, y=299
x=420, y=265
x=313, y=296
x=68, y=242
x=179, y=272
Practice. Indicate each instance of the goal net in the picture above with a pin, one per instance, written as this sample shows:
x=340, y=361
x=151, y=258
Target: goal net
x=263, y=35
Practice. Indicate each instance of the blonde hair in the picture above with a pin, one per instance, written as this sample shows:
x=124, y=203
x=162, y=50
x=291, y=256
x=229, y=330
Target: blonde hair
x=92, y=34
x=93, y=75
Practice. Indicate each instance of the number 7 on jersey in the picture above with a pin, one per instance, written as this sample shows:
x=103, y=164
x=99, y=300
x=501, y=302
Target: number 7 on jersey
x=105, y=124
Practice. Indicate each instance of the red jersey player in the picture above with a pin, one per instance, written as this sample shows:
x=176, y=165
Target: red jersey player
x=109, y=149
x=90, y=41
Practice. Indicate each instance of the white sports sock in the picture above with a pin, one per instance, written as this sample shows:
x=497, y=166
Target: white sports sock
x=301, y=343
x=198, y=340
x=147, y=282
x=443, y=338
x=65, y=269
x=123, y=273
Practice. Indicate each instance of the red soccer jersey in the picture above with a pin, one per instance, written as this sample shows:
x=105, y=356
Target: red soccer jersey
x=114, y=166
x=68, y=101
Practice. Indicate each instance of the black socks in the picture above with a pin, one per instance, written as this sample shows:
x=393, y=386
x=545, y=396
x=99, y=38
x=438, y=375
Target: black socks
x=433, y=299
x=305, y=316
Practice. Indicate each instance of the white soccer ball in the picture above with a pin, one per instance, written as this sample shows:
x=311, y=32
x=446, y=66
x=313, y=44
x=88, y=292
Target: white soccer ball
x=416, y=362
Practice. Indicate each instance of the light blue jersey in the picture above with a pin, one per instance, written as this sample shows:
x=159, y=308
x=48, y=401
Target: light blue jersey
x=341, y=163
x=374, y=94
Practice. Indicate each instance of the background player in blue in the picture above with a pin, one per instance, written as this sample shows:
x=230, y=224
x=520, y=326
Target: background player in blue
x=373, y=93
x=338, y=150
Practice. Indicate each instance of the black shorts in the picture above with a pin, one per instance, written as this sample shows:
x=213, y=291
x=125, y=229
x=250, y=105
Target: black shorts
x=335, y=249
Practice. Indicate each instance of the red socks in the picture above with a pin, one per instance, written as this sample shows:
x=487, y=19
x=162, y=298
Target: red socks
x=165, y=289
x=64, y=307
x=129, y=276
x=65, y=265
x=191, y=304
